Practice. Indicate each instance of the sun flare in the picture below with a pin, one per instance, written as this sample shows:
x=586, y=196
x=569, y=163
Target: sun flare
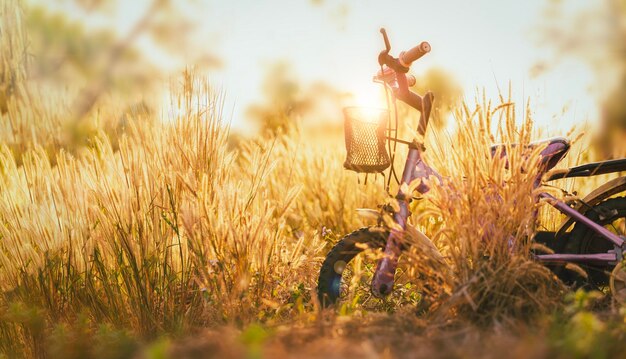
x=365, y=114
x=368, y=96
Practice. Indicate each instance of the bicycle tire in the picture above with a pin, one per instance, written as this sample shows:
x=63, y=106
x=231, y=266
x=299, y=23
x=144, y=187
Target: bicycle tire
x=329, y=281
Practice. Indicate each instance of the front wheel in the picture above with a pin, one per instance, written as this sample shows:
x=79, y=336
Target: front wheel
x=329, y=283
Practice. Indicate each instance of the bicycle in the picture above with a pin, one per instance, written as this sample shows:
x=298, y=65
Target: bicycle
x=589, y=244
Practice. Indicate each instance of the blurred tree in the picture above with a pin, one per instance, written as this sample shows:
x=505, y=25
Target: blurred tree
x=337, y=11
x=63, y=52
x=597, y=35
x=448, y=93
x=63, y=79
x=284, y=101
x=100, y=61
x=287, y=101
x=13, y=55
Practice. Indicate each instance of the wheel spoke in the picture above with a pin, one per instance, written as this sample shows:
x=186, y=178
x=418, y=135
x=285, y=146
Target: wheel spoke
x=610, y=214
x=615, y=224
x=619, y=274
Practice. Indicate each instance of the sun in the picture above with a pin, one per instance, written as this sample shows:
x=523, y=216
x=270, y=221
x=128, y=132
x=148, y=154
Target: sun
x=365, y=114
x=368, y=96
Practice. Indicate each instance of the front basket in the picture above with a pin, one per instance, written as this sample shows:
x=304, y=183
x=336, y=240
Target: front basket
x=366, y=140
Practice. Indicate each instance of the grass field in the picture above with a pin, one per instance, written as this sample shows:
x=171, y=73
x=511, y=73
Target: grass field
x=158, y=237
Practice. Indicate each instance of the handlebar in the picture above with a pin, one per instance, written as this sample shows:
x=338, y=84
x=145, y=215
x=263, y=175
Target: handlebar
x=400, y=67
x=407, y=57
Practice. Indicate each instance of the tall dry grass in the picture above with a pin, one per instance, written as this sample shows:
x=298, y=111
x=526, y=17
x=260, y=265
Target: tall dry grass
x=489, y=206
x=159, y=230
x=174, y=231
x=166, y=229
x=165, y=234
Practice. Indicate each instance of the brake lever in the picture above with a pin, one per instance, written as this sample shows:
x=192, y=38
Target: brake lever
x=385, y=59
x=384, y=56
x=387, y=45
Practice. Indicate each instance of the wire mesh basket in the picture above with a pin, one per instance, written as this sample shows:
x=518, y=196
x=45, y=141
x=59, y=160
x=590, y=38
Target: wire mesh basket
x=366, y=140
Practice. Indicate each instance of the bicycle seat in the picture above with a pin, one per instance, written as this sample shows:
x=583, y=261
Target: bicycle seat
x=555, y=149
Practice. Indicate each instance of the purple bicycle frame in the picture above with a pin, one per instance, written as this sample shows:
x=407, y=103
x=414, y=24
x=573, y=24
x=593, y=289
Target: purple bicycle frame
x=611, y=257
x=416, y=169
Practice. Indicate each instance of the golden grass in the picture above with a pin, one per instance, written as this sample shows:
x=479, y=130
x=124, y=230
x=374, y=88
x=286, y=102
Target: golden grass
x=173, y=231
x=488, y=219
x=165, y=229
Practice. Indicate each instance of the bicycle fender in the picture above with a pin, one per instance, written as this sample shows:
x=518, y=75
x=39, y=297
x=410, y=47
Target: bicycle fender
x=425, y=244
x=596, y=196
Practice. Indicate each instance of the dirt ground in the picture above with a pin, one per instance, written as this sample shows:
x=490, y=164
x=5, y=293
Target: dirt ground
x=400, y=335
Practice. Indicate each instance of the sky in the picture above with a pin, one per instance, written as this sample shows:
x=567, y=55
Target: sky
x=483, y=44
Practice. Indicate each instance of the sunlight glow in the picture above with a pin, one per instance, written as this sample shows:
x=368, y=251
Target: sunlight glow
x=371, y=95
x=512, y=54
x=365, y=114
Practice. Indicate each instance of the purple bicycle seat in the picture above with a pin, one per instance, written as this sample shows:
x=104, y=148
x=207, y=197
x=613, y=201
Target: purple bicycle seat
x=554, y=151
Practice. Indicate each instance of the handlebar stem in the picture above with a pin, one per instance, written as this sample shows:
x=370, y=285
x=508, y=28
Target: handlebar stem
x=405, y=95
x=402, y=92
x=385, y=59
x=422, y=104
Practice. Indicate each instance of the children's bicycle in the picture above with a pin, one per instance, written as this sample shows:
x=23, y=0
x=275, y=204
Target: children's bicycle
x=596, y=242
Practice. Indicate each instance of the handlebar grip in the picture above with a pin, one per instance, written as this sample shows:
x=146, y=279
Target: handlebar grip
x=407, y=57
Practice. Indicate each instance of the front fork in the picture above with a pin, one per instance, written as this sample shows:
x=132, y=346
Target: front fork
x=414, y=169
x=382, y=284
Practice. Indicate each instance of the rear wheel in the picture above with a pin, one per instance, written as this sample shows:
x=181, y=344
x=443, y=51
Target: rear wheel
x=611, y=214
x=618, y=283
x=329, y=285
